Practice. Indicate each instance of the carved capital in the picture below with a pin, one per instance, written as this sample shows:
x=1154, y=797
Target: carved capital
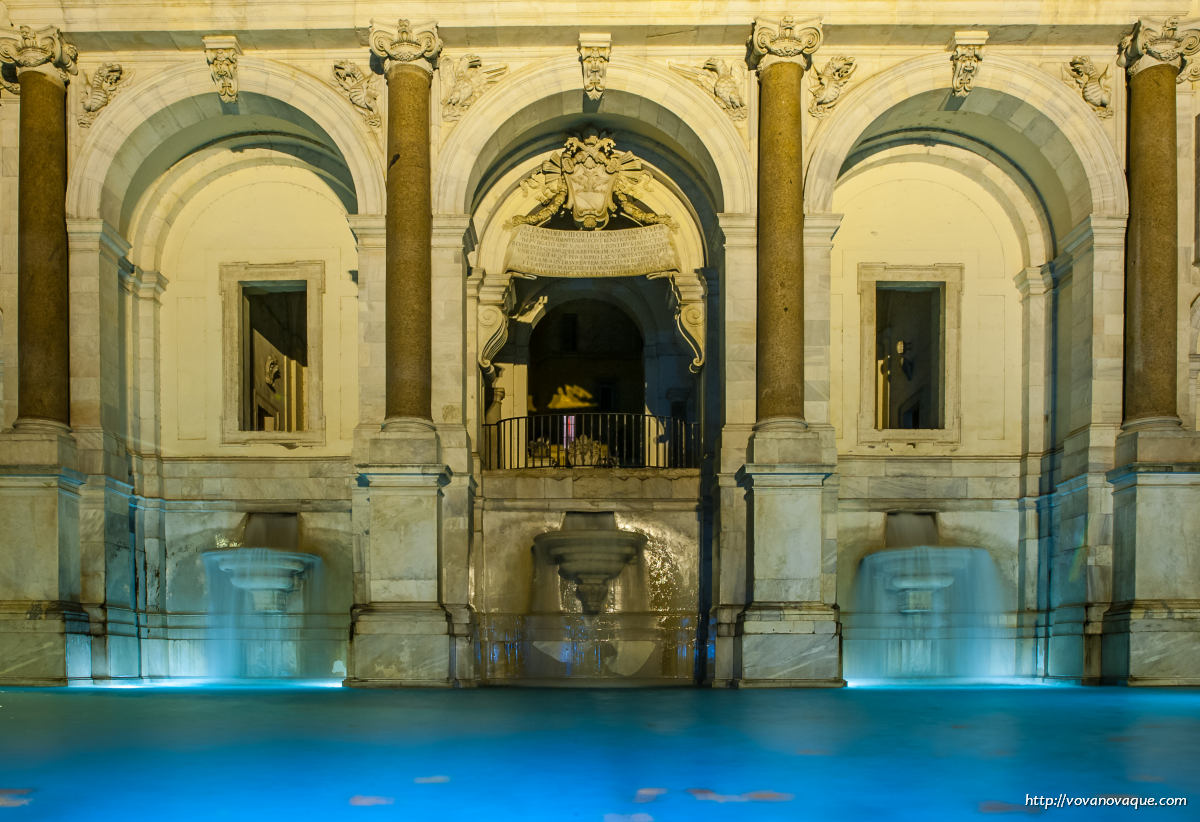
x=42, y=50
x=594, y=53
x=222, y=51
x=966, y=56
x=407, y=45
x=1147, y=46
x=783, y=40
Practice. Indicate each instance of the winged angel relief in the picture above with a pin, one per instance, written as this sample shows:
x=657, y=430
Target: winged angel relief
x=593, y=180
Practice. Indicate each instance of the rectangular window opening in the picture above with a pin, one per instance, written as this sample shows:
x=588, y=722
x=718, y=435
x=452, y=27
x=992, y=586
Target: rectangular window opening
x=274, y=340
x=909, y=356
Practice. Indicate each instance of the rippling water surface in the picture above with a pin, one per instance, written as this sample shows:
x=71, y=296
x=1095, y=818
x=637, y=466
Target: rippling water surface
x=602, y=756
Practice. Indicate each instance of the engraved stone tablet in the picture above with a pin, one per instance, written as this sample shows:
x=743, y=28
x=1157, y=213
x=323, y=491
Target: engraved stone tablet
x=626, y=252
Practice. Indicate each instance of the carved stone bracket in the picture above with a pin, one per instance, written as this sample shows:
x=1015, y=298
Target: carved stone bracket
x=466, y=79
x=101, y=88
x=725, y=80
x=417, y=45
x=594, y=53
x=222, y=51
x=783, y=40
x=359, y=89
x=827, y=84
x=39, y=50
x=1091, y=82
x=687, y=301
x=1146, y=46
x=966, y=56
x=497, y=301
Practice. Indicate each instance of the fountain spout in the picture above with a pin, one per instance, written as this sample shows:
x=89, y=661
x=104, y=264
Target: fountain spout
x=590, y=550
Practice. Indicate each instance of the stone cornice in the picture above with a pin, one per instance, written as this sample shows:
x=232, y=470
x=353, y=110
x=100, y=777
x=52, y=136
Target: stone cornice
x=417, y=45
x=1152, y=44
x=43, y=50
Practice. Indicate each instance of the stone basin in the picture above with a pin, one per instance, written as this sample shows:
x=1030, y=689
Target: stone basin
x=267, y=574
x=590, y=550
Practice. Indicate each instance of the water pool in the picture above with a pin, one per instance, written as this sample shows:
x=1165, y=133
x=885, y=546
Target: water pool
x=596, y=755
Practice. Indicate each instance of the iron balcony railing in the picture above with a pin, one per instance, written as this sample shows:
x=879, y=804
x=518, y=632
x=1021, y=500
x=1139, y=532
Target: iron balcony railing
x=591, y=440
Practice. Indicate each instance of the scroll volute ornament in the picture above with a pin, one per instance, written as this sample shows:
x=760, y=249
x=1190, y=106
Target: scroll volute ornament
x=30, y=49
x=785, y=40
x=1145, y=47
x=408, y=44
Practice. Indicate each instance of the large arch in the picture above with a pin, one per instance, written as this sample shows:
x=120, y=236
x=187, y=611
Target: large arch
x=109, y=159
x=838, y=136
x=703, y=119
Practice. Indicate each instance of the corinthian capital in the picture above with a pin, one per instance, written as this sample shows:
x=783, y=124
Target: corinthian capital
x=408, y=44
x=41, y=50
x=783, y=40
x=1147, y=46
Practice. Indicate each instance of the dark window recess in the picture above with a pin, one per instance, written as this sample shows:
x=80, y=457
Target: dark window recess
x=909, y=387
x=274, y=356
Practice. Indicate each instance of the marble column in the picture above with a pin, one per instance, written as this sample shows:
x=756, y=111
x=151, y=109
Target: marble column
x=787, y=635
x=43, y=62
x=1151, y=632
x=401, y=633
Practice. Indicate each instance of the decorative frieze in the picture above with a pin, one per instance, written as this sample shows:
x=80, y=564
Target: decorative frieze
x=222, y=52
x=966, y=56
x=783, y=40
x=827, y=84
x=595, y=50
x=417, y=45
x=466, y=79
x=725, y=80
x=101, y=88
x=359, y=89
x=42, y=49
x=1092, y=84
x=1146, y=46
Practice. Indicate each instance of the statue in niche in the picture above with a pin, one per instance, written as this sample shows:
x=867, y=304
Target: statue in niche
x=593, y=180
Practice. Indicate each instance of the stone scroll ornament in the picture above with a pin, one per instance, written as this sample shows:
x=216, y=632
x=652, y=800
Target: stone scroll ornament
x=725, y=80
x=966, y=59
x=1092, y=84
x=222, y=52
x=594, y=53
x=1145, y=46
x=827, y=84
x=408, y=44
x=785, y=40
x=29, y=49
x=101, y=88
x=467, y=78
x=359, y=89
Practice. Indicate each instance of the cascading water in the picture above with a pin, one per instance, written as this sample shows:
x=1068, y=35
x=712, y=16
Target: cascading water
x=258, y=599
x=924, y=611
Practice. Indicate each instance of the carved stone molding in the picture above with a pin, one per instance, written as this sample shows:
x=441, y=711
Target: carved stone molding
x=466, y=79
x=1091, y=82
x=966, y=57
x=101, y=88
x=827, y=84
x=725, y=80
x=39, y=50
x=222, y=51
x=687, y=302
x=497, y=302
x=783, y=40
x=594, y=53
x=1146, y=46
x=417, y=45
x=359, y=89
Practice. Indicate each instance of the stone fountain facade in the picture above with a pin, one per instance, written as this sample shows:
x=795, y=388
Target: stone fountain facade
x=384, y=283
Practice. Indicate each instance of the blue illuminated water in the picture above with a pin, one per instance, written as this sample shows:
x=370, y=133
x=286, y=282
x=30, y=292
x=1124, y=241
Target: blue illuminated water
x=338, y=754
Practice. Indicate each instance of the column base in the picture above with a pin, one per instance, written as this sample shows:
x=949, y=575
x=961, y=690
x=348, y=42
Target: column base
x=1152, y=643
x=789, y=645
x=44, y=643
x=400, y=646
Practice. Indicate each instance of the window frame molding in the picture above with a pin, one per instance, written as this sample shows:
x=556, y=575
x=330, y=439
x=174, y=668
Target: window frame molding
x=947, y=275
x=234, y=277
